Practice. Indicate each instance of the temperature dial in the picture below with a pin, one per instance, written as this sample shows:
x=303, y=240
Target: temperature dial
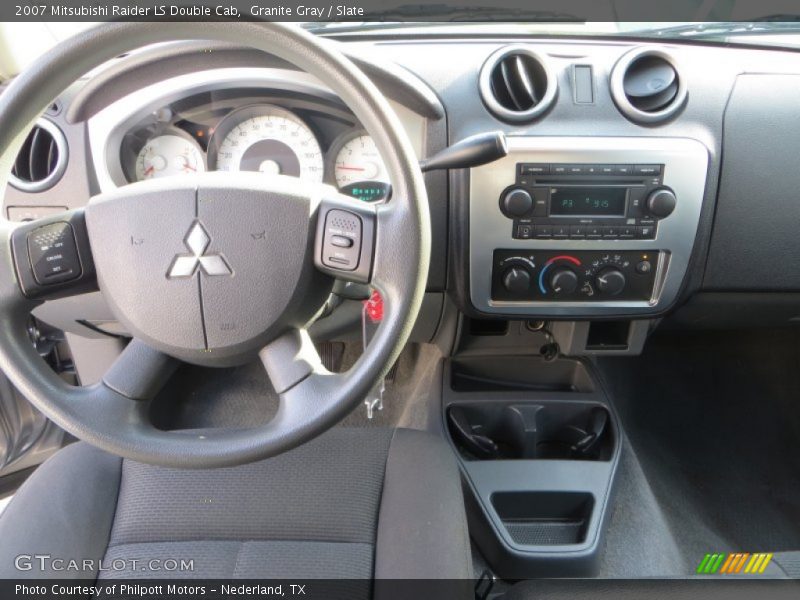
x=610, y=281
x=563, y=281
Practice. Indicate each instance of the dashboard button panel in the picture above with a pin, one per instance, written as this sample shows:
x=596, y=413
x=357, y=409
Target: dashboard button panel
x=568, y=276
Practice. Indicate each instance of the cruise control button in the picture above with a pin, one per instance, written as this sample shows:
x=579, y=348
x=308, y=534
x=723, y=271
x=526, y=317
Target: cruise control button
x=341, y=241
x=53, y=254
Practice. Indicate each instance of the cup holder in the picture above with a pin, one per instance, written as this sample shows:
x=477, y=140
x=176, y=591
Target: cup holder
x=537, y=431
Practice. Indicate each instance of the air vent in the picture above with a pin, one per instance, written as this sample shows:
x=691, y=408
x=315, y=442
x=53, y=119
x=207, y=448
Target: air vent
x=41, y=160
x=516, y=84
x=647, y=86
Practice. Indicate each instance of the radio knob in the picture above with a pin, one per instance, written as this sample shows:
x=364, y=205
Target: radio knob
x=517, y=203
x=517, y=280
x=610, y=281
x=661, y=202
x=563, y=281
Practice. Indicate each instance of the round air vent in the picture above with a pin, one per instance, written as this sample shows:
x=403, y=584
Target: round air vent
x=646, y=85
x=41, y=160
x=516, y=84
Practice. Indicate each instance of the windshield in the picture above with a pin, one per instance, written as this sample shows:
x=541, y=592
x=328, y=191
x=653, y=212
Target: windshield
x=771, y=30
x=20, y=43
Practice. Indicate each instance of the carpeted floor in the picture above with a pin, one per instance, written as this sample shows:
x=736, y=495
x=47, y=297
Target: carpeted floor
x=714, y=421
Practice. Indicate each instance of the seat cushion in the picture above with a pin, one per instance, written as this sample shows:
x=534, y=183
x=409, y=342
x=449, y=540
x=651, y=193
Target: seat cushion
x=319, y=503
x=319, y=511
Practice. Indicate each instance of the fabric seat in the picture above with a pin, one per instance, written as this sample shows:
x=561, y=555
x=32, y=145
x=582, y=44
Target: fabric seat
x=351, y=504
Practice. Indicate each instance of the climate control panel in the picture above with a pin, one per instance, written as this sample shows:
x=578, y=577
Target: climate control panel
x=586, y=276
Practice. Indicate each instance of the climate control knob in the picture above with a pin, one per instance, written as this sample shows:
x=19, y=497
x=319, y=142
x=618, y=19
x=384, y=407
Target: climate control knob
x=516, y=203
x=563, y=281
x=517, y=280
x=661, y=202
x=610, y=281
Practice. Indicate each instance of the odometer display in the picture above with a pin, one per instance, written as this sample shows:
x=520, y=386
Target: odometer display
x=587, y=202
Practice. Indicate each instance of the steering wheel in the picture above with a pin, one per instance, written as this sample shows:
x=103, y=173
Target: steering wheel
x=213, y=270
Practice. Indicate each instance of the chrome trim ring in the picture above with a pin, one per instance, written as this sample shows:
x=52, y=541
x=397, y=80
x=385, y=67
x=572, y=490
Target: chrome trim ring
x=61, y=162
x=616, y=84
x=485, y=86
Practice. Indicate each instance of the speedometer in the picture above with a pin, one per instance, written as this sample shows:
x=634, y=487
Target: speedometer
x=269, y=140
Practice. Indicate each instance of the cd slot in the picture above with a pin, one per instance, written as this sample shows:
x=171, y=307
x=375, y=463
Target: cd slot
x=577, y=181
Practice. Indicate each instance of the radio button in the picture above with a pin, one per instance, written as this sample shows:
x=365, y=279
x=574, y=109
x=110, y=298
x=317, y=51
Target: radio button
x=594, y=233
x=577, y=232
x=535, y=169
x=627, y=233
x=623, y=169
x=646, y=232
x=561, y=231
x=558, y=169
x=651, y=170
x=543, y=231
x=576, y=169
x=592, y=169
x=610, y=232
x=608, y=169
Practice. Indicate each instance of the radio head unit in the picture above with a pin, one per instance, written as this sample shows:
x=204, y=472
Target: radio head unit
x=587, y=201
x=580, y=227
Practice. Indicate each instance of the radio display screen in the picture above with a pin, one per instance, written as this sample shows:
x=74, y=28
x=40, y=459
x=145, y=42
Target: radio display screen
x=587, y=201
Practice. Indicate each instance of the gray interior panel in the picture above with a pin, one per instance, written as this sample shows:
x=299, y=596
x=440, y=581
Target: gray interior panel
x=757, y=209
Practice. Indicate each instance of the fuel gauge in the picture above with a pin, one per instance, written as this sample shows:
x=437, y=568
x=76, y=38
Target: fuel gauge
x=169, y=154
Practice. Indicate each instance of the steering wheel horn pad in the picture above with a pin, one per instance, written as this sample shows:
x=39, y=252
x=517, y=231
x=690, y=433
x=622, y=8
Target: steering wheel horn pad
x=206, y=269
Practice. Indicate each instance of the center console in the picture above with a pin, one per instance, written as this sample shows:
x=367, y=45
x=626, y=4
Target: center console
x=581, y=227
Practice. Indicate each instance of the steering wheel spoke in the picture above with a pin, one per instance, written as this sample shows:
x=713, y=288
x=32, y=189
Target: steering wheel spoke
x=140, y=371
x=308, y=391
x=52, y=256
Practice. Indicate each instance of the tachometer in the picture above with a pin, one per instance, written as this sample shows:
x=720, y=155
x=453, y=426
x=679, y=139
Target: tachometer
x=269, y=140
x=169, y=154
x=359, y=169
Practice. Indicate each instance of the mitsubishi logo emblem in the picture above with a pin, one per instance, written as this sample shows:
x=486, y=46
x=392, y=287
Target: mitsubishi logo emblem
x=185, y=265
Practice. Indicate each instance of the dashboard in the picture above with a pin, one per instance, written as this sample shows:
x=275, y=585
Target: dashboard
x=603, y=173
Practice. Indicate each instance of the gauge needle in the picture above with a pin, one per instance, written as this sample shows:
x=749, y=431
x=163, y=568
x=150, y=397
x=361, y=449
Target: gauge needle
x=349, y=168
x=149, y=171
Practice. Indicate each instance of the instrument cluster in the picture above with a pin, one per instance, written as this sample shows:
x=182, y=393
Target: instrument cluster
x=261, y=136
